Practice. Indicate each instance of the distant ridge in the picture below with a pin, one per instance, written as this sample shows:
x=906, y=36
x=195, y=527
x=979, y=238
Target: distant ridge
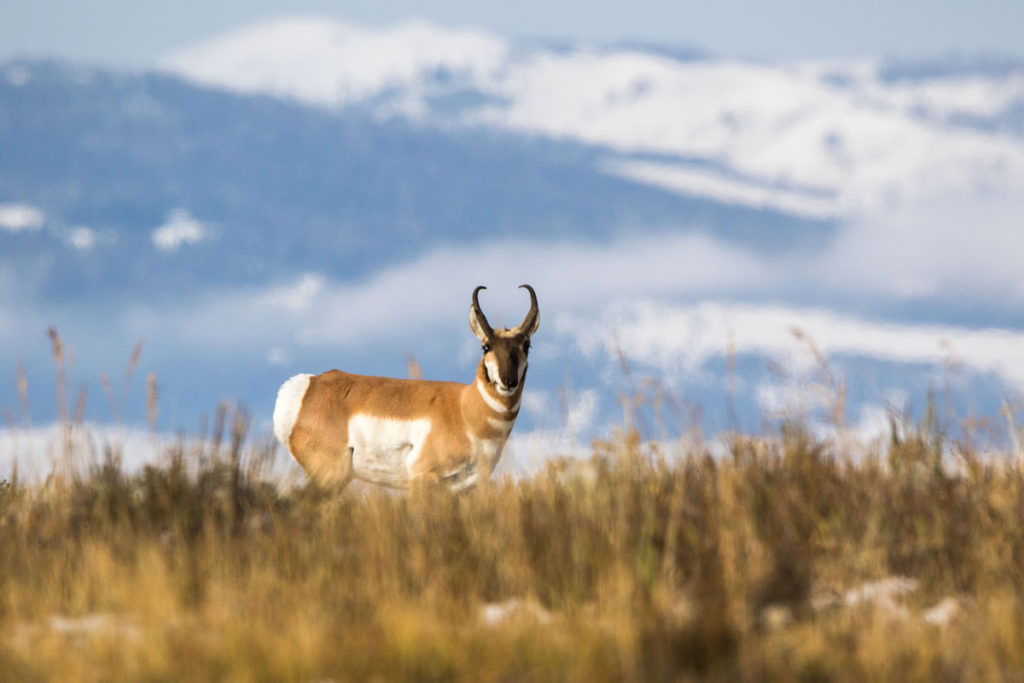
x=860, y=131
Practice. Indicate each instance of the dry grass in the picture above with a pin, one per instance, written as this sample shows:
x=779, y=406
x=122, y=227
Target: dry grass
x=784, y=559
x=775, y=562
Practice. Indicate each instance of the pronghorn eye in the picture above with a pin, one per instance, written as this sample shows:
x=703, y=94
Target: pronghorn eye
x=486, y=348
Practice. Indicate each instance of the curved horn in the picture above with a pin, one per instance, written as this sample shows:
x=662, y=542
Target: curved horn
x=477, y=319
x=531, y=321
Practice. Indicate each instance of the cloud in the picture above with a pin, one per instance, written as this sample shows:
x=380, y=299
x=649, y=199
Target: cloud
x=17, y=75
x=82, y=238
x=675, y=338
x=955, y=246
x=277, y=356
x=21, y=218
x=922, y=254
x=640, y=292
x=180, y=228
x=297, y=296
x=433, y=292
x=702, y=182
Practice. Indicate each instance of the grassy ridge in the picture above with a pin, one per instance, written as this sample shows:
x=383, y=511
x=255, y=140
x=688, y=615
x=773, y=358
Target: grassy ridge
x=775, y=562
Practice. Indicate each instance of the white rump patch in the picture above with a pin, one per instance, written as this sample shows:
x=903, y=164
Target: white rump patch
x=286, y=409
x=383, y=449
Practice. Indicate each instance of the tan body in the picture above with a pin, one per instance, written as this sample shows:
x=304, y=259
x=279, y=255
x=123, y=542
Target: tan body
x=397, y=432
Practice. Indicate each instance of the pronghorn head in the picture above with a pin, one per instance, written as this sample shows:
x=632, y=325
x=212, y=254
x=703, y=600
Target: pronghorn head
x=505, y=350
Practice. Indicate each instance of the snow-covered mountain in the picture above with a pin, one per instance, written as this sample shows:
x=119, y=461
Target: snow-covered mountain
x=308, y=194
x=817, y=139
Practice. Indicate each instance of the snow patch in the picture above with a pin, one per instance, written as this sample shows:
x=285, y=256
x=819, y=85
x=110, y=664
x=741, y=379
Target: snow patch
x=496, y=613
x=36, y=452
x=331, y=63
x=944, y=612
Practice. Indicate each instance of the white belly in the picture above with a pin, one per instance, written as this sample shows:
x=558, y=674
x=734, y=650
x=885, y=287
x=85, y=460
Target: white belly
x=384, y=449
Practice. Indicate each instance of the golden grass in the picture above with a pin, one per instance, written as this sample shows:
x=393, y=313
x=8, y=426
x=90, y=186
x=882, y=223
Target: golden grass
x=784, y=559
x=774, y=562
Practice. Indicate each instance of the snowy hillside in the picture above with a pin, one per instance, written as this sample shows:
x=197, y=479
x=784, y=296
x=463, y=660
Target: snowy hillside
x=818, y=139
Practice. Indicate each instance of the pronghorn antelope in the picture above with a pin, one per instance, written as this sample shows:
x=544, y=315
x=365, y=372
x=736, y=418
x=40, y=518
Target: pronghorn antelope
x=399, y=432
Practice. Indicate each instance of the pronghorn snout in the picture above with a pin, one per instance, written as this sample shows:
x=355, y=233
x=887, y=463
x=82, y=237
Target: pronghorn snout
x=509, y=379
x=505, y=389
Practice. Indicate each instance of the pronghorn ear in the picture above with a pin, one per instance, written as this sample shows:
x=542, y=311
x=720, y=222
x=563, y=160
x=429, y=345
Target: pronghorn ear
x=478, y=321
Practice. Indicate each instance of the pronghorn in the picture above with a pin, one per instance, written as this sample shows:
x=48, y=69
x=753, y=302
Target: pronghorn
x=399, y=432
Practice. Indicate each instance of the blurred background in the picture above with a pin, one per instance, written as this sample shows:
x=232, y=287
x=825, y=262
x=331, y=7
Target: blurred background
x=731, y=214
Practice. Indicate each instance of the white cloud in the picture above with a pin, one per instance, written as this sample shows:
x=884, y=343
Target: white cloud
x=629, y=292
x=435, y=289
x=277, y=356
x=776, y=399
x=82, y=238
x=527, y=452
x=691, y=180
x=180, y=228
x=18, y=75
x=955, y=246
x=683, y=337
x=298, y=296
x=21, y=218
x=432, y=292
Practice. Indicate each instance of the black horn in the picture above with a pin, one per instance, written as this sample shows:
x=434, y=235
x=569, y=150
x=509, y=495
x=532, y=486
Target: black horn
x=529, y=324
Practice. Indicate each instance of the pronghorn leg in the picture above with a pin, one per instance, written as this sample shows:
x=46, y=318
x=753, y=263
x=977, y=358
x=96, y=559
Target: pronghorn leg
x=331, y=468
x=424, y=481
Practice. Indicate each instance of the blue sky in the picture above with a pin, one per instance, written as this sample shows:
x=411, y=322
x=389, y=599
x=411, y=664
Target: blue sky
x=133, y=34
